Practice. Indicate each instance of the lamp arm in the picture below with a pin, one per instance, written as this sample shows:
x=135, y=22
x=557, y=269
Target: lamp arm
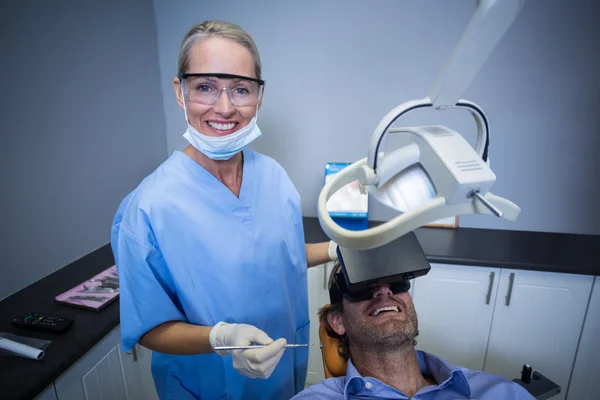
x=485, y=29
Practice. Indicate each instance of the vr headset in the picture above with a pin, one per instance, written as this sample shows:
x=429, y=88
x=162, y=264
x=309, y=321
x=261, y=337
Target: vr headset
x=362, y=271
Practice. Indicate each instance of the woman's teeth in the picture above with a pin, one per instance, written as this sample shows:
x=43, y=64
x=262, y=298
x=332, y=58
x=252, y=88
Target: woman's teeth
x=222, y=127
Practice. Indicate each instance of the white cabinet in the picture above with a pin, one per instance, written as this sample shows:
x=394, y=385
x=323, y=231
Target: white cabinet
x=48, y=394
x=138, y=374
x=143, y=366
x=538, y=320
x=99, y=374
x=496, y=320
x=585, y=382
x=455, y=305
x=104, y=372
x=131, y=372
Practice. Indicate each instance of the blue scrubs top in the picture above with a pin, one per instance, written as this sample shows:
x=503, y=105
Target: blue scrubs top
x=187, y=249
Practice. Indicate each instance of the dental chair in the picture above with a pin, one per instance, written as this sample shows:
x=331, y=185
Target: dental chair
x=334, y=365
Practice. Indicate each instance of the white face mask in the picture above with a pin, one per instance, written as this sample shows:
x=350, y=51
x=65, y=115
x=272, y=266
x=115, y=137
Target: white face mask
x=222, y=147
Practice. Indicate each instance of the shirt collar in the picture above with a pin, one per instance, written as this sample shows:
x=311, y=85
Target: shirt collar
x=443, y=372
x=352, y=376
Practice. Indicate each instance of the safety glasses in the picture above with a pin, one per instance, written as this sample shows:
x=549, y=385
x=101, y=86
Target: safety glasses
x=206, y=88
x=339, y=290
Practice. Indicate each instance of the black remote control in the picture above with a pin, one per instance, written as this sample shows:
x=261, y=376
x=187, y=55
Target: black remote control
x=42, y=321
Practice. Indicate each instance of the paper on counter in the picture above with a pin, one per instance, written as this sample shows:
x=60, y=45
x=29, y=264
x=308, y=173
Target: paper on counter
x=348, y=199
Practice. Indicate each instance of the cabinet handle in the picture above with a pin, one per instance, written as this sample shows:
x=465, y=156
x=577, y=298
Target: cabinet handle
x=133, y=352
x=511, y=281
x=325, y=276
x=489, y=292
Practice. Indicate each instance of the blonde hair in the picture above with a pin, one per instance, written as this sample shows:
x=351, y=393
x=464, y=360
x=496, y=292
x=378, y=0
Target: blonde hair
x=217, y=28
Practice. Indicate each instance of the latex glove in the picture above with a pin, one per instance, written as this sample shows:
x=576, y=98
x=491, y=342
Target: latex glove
x=254, y=363
x=332, y=251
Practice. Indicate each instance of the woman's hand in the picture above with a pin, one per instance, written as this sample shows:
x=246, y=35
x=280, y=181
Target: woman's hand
x=254, y=363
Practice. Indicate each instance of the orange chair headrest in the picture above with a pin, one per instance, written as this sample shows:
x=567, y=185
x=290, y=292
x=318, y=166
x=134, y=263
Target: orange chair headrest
x=333, y=363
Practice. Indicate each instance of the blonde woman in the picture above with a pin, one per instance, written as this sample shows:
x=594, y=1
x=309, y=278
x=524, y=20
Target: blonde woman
x=210, y=247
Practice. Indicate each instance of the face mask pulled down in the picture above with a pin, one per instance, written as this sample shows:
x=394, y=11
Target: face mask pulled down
x=223, y=147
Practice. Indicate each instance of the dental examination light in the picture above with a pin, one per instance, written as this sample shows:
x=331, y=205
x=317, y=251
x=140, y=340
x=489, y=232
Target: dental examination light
x=438, y=174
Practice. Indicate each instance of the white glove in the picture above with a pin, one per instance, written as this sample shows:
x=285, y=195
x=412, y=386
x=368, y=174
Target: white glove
x=254, y=363
x=332, y=251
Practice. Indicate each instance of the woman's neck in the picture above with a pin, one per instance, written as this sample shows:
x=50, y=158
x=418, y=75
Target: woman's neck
x=228, y=172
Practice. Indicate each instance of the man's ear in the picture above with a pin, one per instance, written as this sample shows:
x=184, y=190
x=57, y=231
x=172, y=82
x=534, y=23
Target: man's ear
x=177, y=89
x=335, y=321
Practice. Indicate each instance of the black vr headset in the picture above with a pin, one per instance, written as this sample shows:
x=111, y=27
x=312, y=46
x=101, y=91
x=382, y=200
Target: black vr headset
x=362, y=271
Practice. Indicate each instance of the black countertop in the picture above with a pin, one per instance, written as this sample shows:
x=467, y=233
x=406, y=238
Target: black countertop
x=22, y=378
x=525, y=250
x=551, y=252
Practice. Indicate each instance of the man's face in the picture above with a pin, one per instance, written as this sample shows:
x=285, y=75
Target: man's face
x=387, y=320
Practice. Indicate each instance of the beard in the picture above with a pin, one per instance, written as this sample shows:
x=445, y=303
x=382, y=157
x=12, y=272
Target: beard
x=393, y=334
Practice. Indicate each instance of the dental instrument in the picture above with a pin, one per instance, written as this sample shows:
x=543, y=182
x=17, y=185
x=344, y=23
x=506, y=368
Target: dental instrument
x=106, y=279
x=98, y=289
x=255, y=346
x=90, y=298
x=438, y=174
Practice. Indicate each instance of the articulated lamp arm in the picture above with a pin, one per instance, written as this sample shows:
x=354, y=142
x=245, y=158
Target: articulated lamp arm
x=489, y=23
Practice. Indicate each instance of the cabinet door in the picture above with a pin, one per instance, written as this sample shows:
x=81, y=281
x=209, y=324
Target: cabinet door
x=538, y=319
x=48, y=394
x=455, y=306
x=145, y=368
x=318, y=296
x=98, y=374
x=585, y=383
x=137, y=372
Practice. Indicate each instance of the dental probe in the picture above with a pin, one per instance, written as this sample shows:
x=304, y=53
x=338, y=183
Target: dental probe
x=255, y=346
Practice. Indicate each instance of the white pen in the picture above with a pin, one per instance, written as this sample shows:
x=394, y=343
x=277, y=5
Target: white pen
x=255, y=346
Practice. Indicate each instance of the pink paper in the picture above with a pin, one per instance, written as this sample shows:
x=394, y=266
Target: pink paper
x=109, y=297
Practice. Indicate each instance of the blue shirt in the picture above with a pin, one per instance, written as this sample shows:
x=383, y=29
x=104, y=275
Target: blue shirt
x=453, y=383
x=187, y=249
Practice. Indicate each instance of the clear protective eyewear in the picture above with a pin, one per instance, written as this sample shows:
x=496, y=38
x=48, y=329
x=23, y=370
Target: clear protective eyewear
x=206, y=88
